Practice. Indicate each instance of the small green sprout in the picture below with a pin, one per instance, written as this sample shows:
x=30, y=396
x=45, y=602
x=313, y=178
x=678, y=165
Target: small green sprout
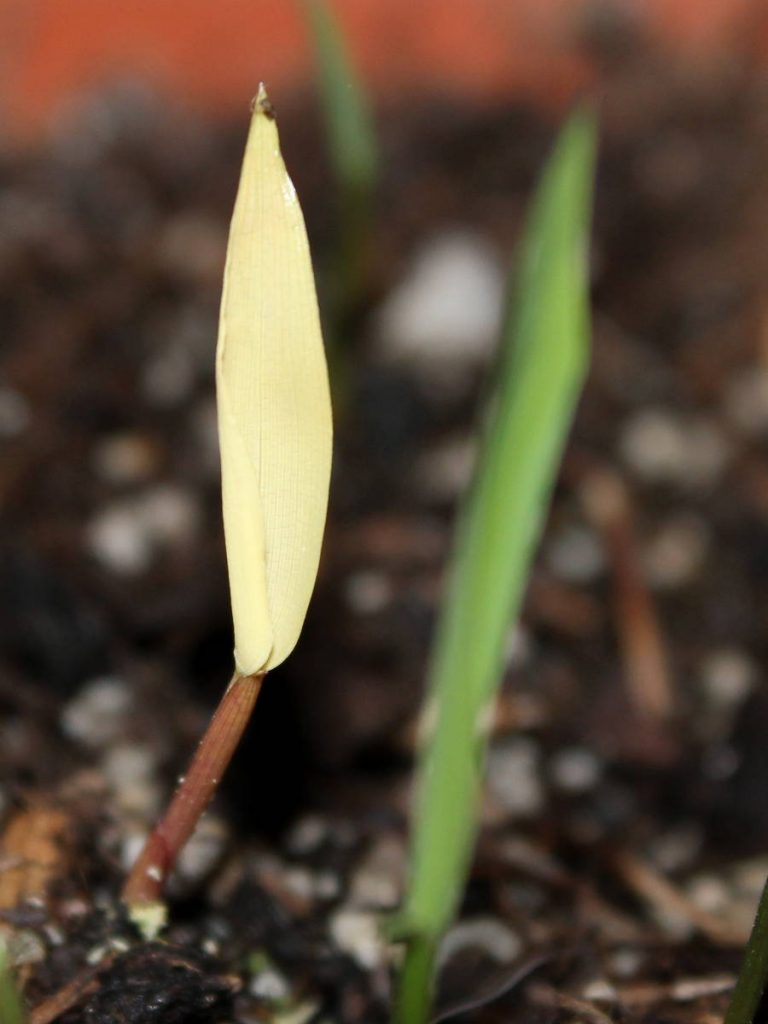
x=543, y=363
x=11, y=1008
x=353, y=153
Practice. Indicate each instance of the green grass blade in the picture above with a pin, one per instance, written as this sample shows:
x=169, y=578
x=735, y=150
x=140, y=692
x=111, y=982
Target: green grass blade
x=353, y=153
x=753, y=976
x=351, y=137
x=543, y=362
x=11, y=1009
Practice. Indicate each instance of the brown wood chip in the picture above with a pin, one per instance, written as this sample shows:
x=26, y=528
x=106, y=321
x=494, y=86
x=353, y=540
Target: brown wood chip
x=34, y=850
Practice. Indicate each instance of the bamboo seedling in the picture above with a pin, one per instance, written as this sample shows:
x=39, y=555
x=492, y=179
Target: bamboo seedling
x=275, y=430
x=542, y=367
x=354, y=157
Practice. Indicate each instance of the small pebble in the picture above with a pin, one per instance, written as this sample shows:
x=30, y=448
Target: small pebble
x=126, y=535
x=600, y=991
x=518, y=648
x=169, y=377
x=749, y=876
x=447, y=307
x=300, y=882
x=575, y=769
x=445, y=470
x=96, y=953
x=378, y=880
x=125, y=459
x=23, y=946
x=201, y=854
x=675, y=556
x=55, y=936
x=357, y=933
x=131, y=847
x=575, y=554
x=728, y=676
x=119, y=539
x=301, y=1014
x=368, y=592
x=626, y=963
x=685, y=990
x=99, y=713
x=327, y=885
x=514, y=776
x=307, y=835
x=678, y=926
x=652, y=443
x=677, y=848
x=171, y=514
x=708, y=454
x=661, y=447
x=130, y=770
x=708, y=893
x=746, y=401
x=74, y=908
x=270, y=985
x=181, y=340
x=483, y=933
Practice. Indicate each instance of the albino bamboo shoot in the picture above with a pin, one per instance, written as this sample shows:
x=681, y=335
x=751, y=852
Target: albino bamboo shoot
x=275, y=438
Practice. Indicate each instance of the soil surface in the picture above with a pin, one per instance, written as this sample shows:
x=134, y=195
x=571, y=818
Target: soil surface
x=624, y=833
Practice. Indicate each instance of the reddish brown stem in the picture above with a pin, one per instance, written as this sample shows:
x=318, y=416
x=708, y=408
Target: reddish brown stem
x=195, y=791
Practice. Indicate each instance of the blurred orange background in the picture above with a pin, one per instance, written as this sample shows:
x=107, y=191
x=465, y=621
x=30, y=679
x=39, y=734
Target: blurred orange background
x=211, y=53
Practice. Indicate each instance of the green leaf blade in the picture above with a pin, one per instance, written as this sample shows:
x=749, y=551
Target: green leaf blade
x=352, y=140
x=354, y=158
x=11, y=1008
x=544, y=358
x=753, y=976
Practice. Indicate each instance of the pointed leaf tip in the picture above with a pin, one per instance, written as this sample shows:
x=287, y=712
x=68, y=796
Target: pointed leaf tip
x=261, y=103
x=273, y=408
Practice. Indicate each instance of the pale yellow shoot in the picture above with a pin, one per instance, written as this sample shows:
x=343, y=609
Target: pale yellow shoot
x=274, y=407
